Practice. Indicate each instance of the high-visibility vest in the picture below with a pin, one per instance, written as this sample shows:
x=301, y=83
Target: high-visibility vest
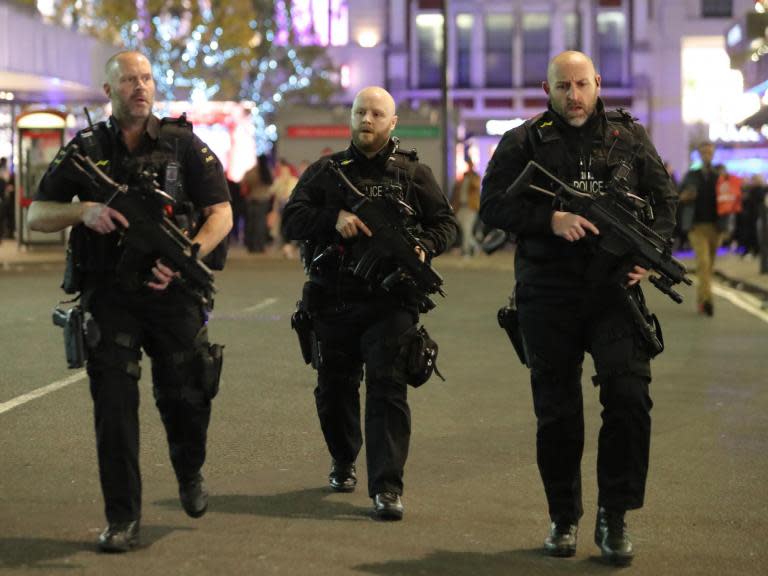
x=728, y=192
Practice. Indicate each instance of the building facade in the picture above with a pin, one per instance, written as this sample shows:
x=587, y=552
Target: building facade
x=664, y=60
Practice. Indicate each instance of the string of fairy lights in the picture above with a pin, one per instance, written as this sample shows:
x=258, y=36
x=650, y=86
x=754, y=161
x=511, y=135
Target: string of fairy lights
x=186, y=58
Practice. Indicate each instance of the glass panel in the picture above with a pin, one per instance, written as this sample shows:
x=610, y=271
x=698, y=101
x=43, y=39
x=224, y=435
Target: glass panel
x=535, y=48
x=464, y=24
x=572, y=29
x=498, y=50
x=717, y=8
x=429, y=31
x=315, y=22
x=611, y=34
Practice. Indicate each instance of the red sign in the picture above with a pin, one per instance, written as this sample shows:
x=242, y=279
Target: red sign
x=318, y=131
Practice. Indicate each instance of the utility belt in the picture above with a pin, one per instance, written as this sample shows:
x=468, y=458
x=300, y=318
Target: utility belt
x=417, y=358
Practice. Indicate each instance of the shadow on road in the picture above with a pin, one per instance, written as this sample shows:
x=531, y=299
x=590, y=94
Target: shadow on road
x=49, y=554
x=523, y=561
x=310, y=503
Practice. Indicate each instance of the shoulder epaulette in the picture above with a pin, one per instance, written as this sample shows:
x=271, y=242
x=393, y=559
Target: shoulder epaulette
x=620, y=115
x=411, y=154
x=544, y=126
x=180, y=122
x=90, y=142
x=343, y=157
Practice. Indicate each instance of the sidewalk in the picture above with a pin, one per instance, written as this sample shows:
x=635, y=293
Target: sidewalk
x=742, y=272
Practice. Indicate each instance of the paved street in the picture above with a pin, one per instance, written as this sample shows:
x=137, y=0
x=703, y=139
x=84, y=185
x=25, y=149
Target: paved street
x=474, y=501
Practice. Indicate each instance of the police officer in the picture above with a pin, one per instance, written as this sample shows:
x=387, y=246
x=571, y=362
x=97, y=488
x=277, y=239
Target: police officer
x=356, y=322
x=168, y=323
x=568, y=302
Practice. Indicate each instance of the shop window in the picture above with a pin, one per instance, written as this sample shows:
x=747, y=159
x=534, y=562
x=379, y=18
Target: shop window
x=717, y=8
x=498, y=50
x=429, y=34
x=572, y=31
x=535, y=48
x=464, y=23
x=612, y=41
x=315, y=22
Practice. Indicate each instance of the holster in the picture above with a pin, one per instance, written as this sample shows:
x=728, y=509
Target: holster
x=301, y=322
x=507, y=317
x=646, y=323
x=80, y=333
x=209, y=361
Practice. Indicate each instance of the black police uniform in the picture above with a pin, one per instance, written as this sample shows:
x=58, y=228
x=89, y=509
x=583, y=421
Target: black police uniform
x=569, y=302
x=169, y=325
x=355, y=322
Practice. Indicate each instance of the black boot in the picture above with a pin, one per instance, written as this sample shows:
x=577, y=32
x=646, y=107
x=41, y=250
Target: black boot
x=561, y=541
x=612, y=538
x=119, y=536
x=343, y=477
x=194, y=496
x=387, y=506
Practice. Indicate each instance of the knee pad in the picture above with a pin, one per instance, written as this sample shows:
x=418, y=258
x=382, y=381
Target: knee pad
x=120, y=352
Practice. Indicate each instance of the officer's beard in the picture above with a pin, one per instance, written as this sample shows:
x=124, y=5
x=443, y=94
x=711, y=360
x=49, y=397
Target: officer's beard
x=370, y=147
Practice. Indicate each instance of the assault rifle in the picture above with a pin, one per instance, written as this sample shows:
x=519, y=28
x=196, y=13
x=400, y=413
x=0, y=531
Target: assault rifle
x=392, y=240
x=151, y=233
x=622, y=234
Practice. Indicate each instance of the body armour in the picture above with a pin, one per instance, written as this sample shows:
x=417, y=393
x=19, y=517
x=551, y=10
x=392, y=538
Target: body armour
x=610, y=153
x=388, y=180
x=161, y=153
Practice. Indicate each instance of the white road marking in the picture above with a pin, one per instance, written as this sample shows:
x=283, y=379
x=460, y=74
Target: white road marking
x=24, y=398
x=750, y=305
x=261, y=305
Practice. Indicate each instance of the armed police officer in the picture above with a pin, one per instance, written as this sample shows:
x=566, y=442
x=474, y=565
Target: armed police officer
x=569, y=299
x=356, y=322
x=155, y=313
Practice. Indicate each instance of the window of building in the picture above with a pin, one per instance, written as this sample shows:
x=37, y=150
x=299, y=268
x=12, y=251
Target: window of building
x=535, y=48
x=316, y=22
x=464, y=23
x=572, y=31
x=611, y=49
x=717, y=8
x=498, y=50
x=429, y=34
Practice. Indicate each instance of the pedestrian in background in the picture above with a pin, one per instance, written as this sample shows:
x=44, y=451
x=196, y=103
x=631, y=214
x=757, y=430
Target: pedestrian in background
x=256, y=187
x=699, y=190
x=466, y=203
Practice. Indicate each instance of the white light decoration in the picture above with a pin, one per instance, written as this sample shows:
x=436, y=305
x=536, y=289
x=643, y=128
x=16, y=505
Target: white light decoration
x=499, y=127
x=711, y=90
x=344, y=75
x=368, y=38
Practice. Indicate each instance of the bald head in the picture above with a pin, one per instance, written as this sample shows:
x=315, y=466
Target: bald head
x=130, y=87
x=568, y=60
x=573, y=86
x=373, y=119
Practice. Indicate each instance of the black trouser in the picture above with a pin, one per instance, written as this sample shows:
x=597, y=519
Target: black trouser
x=256, y=224
x=558, y=327
x=351, y=335
x=165, y=325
